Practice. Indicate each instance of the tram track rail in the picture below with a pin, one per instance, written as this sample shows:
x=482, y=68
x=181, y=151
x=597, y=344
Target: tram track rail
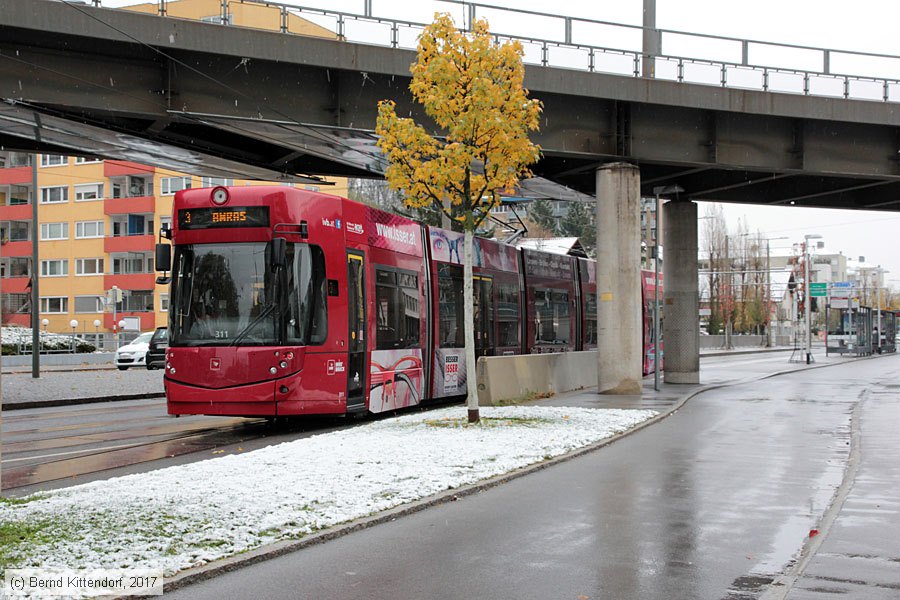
x=43, y=448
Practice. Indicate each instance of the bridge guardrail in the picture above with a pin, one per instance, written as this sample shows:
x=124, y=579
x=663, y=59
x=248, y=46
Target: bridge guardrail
x=561, y=41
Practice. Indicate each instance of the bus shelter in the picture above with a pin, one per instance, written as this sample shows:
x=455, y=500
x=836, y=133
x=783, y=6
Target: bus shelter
x=887, y=329
x=849, y=330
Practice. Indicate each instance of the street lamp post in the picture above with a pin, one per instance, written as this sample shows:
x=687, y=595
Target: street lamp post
x=657, y=338
x=73, y=324
x=878, y=282
x=807, y=304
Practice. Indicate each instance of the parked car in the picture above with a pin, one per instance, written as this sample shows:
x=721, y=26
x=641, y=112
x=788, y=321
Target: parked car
x=134, y=353
x=156, y=351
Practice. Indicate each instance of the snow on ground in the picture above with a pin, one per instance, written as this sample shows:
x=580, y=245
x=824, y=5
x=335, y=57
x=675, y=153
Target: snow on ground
x=188, y=515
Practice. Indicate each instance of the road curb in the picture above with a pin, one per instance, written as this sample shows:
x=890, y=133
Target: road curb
x=74, y=401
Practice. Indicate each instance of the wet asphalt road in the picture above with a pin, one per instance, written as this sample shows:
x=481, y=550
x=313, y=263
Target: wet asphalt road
x=714, y=502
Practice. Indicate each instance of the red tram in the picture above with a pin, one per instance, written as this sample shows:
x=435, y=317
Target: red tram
x=289, y=302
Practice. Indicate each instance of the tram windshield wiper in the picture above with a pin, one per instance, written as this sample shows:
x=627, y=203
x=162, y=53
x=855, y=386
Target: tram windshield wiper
x=246, y=330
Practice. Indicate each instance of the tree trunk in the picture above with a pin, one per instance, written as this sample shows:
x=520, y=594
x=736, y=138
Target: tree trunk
x=468, y=316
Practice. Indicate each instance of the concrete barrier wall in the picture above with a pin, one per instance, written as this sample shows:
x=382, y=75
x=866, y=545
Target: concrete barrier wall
x=506, y=379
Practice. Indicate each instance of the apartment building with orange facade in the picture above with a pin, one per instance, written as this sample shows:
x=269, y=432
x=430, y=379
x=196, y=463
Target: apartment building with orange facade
x=98, y=224
x=99, y=219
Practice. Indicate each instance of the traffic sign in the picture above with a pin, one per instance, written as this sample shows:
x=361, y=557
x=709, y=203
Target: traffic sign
x=842, y=289
x=818, y=289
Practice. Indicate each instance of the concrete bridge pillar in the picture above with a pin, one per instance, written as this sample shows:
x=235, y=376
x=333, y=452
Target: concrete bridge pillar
x=618, y=279
x=681, y=298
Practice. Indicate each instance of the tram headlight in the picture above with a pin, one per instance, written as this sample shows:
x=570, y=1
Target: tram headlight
x=273, y=370
x=283, y=365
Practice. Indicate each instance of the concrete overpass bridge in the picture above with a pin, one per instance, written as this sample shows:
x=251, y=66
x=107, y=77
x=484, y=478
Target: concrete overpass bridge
x=227, y=101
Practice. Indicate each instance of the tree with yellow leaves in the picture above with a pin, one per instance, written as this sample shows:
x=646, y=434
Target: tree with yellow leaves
x=472, y=88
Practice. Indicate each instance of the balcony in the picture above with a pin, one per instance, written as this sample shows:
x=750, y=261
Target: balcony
x=128, y=243
x=134, y=204
x=118, y=168
x=15, y=285
x=15, y=175
x=130, y=281
x=23, y=319
x=15, y=212
x=18, y=248
x=148, y=319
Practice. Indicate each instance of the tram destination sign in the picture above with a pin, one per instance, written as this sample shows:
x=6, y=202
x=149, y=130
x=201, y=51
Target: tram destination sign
x=216, y=218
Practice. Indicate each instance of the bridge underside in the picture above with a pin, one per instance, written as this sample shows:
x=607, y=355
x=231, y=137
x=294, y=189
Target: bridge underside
x=209, y=100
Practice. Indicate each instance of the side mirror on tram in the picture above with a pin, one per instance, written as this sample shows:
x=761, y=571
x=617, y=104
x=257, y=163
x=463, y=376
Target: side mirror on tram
x=279, y=252
x=163, y=262
x=163, y=257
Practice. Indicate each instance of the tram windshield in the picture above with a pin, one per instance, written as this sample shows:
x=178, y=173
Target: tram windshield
x=233, y=294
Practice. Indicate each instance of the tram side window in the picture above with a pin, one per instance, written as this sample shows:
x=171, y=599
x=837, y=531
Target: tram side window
x=307, y=320
x=551, y=316
x=397, y=308
x=508, y=314
x=450, y=306
x=590, y=319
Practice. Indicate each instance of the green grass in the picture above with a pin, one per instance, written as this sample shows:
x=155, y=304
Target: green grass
x=18, y=537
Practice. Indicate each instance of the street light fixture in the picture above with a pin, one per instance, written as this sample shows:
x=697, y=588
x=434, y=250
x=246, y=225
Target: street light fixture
x=807, y=305
x=658, y=191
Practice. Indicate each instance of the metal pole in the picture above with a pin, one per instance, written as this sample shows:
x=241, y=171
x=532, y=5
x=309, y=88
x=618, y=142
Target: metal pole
x=656, y=302
x=806, y=301
x=35, y=295
x=768, y=297
x=878, y=311
x=650, y=42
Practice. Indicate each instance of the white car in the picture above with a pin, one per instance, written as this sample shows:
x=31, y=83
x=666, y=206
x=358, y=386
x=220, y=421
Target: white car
x=133, y=354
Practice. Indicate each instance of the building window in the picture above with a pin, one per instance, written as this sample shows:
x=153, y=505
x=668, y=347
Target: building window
x=217, y=19
x=84, y=160
x=53, y=160
x=164, y=302
x=89, y=266
x=54, y=304
x=15, y=303
x=88, y=191
x=132, y=263
x=54, y=231
x=136, y=301
x=15, y=266
x=132, y=225
x=165, y=222
x=57, y=267
x=214, y=181
x=15, y=231
x=88, y=304
x=88, y=229
x=18, y=195
x=55, y=195
x=397, y=307
x=170, y=185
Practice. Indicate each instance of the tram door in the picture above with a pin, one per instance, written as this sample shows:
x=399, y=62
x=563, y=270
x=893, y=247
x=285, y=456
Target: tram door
x=484, y=315
x=356, y=333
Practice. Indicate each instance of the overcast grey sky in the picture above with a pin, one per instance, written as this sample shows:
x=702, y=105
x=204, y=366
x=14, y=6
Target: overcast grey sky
x=861, y=25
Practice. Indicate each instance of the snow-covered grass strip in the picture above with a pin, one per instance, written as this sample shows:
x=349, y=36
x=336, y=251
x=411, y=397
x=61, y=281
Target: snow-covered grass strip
x=183, y=516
